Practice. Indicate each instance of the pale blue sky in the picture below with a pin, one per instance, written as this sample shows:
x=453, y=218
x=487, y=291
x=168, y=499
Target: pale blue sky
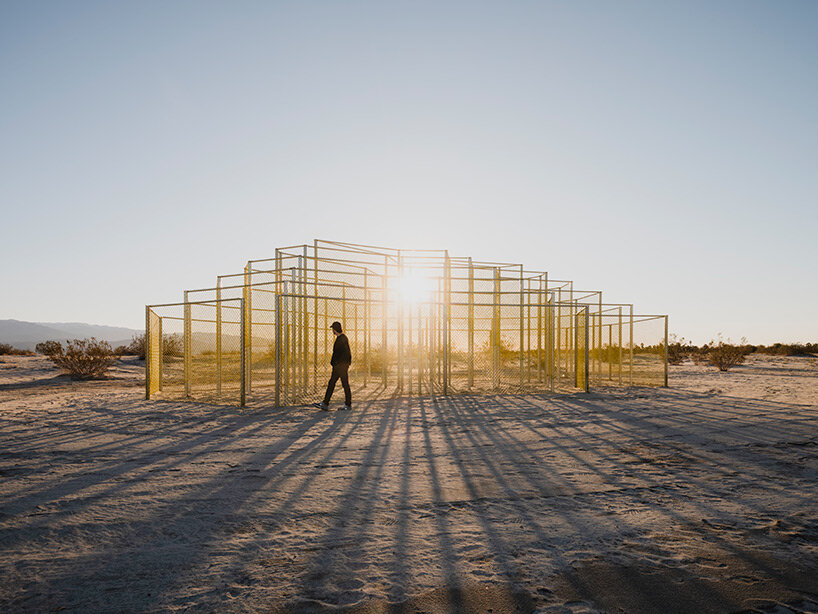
x=665, y=153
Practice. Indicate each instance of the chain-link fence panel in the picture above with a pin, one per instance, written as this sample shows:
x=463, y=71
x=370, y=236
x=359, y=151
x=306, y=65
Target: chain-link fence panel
x=419, y=322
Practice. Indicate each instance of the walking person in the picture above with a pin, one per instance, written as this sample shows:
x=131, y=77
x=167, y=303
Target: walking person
x=340, y=361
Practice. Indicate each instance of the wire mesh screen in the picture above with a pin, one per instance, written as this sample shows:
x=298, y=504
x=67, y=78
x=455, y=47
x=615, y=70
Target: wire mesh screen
x=196, y=351
x=153, y=353
x=418, y=323
x=649, y=351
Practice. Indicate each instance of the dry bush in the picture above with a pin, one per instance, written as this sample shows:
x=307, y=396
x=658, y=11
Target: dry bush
x=377, y=365
x=678, y=349
x=789, y=349
x=49, y=348
x=172, y=345
x=85, y=358
x=137, y=346
x=700, y=356
x=7, y=348
x=725, y=355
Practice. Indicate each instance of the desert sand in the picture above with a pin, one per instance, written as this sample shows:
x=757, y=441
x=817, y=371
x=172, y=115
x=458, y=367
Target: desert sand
x=698, y=498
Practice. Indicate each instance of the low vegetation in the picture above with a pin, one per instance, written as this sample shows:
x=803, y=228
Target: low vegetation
x=725, y=355
x=49, y=348
x=171, y=346
x=135, y=348
x=679, y=349
x=10, y=350
x=788, y=349
x=81, y=358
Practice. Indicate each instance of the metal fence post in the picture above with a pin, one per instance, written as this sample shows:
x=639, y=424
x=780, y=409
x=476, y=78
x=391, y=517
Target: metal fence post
x=586, y=357
x=522, y=328
x=160, y=361
x=315, y=322
x=243, y=362
x=247, y=306
x=278, y=352
x=218, y=336
x=447, y=333
x=400, y=324
x=666, y=351
x=495, y=330
x=576, y=348
x=630, y=343
x=384, y=337
x=188, y=345
x=148, y=352
x=471, y=325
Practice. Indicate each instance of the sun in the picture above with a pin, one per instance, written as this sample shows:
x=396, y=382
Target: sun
x=414, y=287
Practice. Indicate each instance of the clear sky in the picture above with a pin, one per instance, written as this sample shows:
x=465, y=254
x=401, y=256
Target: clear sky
x=663, y=152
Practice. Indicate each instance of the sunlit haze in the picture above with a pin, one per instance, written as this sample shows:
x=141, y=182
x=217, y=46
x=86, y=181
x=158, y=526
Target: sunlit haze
x=662, y=152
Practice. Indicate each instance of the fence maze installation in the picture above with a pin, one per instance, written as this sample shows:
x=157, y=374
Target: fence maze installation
x=420, y=322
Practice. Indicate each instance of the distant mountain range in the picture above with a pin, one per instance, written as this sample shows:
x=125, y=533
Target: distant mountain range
x=25, y=335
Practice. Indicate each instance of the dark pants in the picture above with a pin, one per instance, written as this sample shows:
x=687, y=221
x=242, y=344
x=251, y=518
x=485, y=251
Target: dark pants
x=341, y=371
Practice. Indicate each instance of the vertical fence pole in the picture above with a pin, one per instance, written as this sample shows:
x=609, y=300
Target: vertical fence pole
x=148, y=352
x=366, y=328
x=576, y=349
x=400, y=324
x=408, y=351
x=550, y=339
x=305, y=342
x=160, y=349
x=471, y=324
x=495, y=330
x=315, y=319
x=666, y=350
x=609, y=353
x=247, y=307
x=600, y=333
x=187, y=346
x=539, y=332
x=420, y=351
x=278, y=351
x=285, y=341
x=447, y=338
x=385, y=323
x=630, y=344
x=522, y=331
x=219, y=336
x=243, y=368
x=586, y=356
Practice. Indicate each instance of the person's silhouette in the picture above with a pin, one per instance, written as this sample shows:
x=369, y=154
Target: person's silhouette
x=340, y=361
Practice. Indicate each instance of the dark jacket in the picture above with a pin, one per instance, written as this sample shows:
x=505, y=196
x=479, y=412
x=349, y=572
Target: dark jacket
x=341, y=354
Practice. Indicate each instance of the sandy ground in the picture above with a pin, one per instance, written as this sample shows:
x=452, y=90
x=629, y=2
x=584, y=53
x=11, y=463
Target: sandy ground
x=698, y=498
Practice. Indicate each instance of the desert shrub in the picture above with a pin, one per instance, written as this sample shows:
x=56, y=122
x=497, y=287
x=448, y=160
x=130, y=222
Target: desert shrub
x=85, y=358
x=376, y=361
x=608, y=353
x=700, y=356
x=678, y=349
x=172, y=344
x=7, y=348
x=49, y=348
x=725, y=355
x=137, y=346
x=789, y=349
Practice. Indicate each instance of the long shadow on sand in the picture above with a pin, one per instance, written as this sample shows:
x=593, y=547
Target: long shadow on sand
x=440, y=504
